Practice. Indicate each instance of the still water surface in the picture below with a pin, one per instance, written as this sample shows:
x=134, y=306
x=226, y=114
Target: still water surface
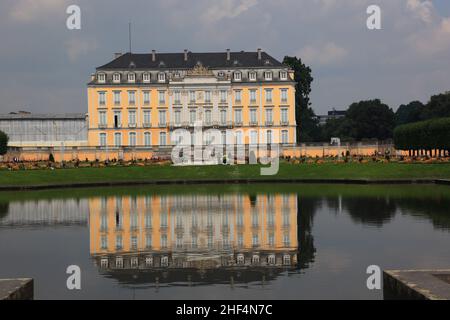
x=216, y=242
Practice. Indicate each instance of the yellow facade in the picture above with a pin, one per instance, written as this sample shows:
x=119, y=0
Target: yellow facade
x=235, y=226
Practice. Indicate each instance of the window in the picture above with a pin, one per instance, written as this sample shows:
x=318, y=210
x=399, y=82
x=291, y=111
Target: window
x=283, y=95
x=255, y=240
x=224, y=137
x=238, y=116
x=148, y=244
x=146, y=97
x=283, y=75
x=117, y=119
x=192, y=116
x=102, y=98
x=223, y=116
x=284, y=116
x=253, y=137
x=240, y=257
x=177, y=117
x=146, y=77
x=102, y=118
x=239, y=137
x=101, y=77
x=237, y=96
x=131, y=97
x=162, y=117
x=207, y=96
x=164, y=241
x=162, y=138
x=103, y=139
x=147, y=139
x=134, y=243
x=117, y=139
x=177, y=97
x=268, y=95
x=119, y=242
x=132, y=139
x=208, y=116
x=268, y=75
x=269, y=117
x=132, y=118
x=272, y=241
x=223, y=96
x=253, y=116
x=252, y=76
x=116, y=77
x=147, y=118
x=162, y=97
x=104, y=263
x=131, y=77
x=237, y=76
x=161, y=77
x=269, y=137
x=117, y=98
x=192, y=96
x=284, y=136
x=252, y=96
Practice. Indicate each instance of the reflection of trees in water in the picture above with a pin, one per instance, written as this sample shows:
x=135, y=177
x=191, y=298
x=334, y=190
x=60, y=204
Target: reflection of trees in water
x=307, y=207
x=437, y=210
x=373, y=211
x=4, y=208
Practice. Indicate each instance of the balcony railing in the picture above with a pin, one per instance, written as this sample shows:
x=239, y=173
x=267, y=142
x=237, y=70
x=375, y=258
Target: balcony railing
x=269, y=123
x=162, y=124
x=102, y=125
x=284, y=123
x=147, y=125
x=132, y=125
x=253, y=123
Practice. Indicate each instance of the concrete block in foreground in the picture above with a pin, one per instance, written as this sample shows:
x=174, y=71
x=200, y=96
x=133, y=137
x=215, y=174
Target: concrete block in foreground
x=16, y=289
x=416, y=284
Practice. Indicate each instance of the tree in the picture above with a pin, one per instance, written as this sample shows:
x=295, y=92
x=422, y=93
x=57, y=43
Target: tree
x=3, y=143
x=438, y=106
x=370, y=119
x=412, y=112
x=307, y=124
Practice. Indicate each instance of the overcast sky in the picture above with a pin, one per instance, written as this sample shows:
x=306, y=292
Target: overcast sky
x=45, y=67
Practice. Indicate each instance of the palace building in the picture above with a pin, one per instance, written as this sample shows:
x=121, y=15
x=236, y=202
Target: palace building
x=138, y=100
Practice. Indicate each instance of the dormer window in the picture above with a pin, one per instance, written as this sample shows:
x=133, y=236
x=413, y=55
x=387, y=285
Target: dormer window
x=146, y=77
x=268, y=75
x=131, y=77
x=101, y=78
x=161, y=77
x=283, y=75
x=221, y=74
x=116, y=77
x=252, y=76
x=237, y=76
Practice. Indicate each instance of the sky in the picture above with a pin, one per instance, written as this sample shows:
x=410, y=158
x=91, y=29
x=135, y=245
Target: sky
x=45, y=67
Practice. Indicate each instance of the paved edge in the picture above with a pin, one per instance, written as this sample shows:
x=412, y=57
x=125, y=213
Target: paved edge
x=17, y=289
x=416, y=284
x=220, y=181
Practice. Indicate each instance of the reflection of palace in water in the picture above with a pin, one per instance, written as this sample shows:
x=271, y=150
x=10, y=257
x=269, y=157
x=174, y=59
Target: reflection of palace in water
x=207, y=234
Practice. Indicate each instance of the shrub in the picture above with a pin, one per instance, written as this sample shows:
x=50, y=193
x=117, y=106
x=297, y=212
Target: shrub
x=51, y=158
x=3, y=143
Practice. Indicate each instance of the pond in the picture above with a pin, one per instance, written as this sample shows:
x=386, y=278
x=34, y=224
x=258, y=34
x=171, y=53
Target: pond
x=222, y=242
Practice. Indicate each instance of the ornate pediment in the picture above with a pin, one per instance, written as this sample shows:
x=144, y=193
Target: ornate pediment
x=199, y=70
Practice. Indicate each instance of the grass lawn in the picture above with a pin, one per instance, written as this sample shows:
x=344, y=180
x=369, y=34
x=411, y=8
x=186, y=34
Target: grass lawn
x=372, y=171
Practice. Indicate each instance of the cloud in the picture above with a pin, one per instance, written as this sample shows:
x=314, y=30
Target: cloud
x=227, y=9
x=323, y=54
x=77, y=47
x=422, y=9
x=31, y=10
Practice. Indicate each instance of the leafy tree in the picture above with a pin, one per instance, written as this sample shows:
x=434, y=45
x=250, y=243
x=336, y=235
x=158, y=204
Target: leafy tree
x=438, y=106
x=3, y=143
x=307, y=124
x=412, y=112
x=370, y=119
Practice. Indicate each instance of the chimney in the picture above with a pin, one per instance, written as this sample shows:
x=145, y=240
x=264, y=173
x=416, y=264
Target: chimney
x=117, y=54
x=153, y=55
x=92, y=76
x=259, y=53
x=228, y=55
x=185, y=54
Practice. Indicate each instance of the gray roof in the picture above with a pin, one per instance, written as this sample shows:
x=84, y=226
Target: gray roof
x=207, y=59
x=42, y=116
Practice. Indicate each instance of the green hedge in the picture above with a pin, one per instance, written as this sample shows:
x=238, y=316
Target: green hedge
x=425, y=135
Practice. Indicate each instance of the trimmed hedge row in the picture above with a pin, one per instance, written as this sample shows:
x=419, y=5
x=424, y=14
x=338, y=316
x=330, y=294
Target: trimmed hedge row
x=433, y=134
